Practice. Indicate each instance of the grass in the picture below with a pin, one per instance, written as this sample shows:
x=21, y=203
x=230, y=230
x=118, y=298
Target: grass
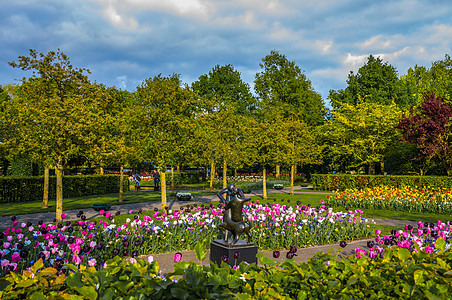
x=85, y=202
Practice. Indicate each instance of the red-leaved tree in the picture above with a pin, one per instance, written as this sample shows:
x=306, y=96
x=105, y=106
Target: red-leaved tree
x=427, y=128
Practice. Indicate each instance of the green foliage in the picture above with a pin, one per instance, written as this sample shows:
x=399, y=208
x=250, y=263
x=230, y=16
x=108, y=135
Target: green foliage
x=399, y=274
x=181, y=178
x=282, y=87
x=363, y=131
x=223, y=84
x=341, y=182
x=20, y=167
x=375, y=82
x=25, y=189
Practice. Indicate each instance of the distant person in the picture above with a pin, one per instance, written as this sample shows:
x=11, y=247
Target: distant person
x=137, y=179
x=156, y=180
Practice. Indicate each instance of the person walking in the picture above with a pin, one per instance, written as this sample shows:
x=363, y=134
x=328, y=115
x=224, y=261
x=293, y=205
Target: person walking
x=156, y=180
x=137, y=179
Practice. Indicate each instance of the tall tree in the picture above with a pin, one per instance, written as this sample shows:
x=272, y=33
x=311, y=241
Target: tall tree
x=282, y=86
x=428, y=127
x=437, y=80
x=364, y=130
x=375, y=82
x=224, y=85
x=165, y=119
x=53, y=112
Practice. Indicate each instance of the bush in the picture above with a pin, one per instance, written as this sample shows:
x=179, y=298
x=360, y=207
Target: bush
x=342, y=182
x=181, y=178
x=25, y=189
x=400, y=274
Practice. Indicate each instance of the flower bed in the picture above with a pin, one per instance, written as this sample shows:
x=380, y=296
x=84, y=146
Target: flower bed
x=403, y=199
x=85, y=242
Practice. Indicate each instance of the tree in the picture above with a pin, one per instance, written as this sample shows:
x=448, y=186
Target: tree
x=282, y=86
x=428, y=128
x=436, y=80
x=223, y=84
x=300, y=146
x=364, y=130
x=375, y=82
x=164, y=119
x=53, y=113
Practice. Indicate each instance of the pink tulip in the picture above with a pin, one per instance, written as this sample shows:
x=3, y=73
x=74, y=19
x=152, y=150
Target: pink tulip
x=63, y=216
x=101, y=212
x=15, y=257
x=177, y=257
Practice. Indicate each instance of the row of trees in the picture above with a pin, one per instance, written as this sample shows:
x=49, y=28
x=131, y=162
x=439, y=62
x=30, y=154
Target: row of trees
x=57, y=114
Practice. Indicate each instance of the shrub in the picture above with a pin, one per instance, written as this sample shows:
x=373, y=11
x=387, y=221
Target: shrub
x=341, y=182
x=24, y=189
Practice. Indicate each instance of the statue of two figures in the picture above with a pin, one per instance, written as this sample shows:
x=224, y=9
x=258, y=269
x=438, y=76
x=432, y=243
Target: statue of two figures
x=233, y=214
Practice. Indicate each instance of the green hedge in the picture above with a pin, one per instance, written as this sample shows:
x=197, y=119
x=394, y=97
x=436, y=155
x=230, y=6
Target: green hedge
x=24, y=189
x=399, y=275
x=186, y=177
x=341, y=182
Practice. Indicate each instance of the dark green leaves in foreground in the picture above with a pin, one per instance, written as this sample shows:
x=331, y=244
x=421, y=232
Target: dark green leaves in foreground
x=400, y=274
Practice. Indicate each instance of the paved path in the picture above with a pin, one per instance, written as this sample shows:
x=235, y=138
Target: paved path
x=173, y=204
x=166, y=260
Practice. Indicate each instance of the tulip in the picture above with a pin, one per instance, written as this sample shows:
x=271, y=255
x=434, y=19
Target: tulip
x=177, y=257
x=276, y=254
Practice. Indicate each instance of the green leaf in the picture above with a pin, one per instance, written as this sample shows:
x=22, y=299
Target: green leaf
x=403, y=254
x=37, y=296
x=418, y=277
x=179, y=293
x=200, y=251
x=440, y=244
x=263, y=260
x=215, y=280
x=87, y=291
x=75, y=280
x=26, y=283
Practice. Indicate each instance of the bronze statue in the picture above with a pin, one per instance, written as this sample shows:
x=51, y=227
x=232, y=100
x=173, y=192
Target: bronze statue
x=233, y=217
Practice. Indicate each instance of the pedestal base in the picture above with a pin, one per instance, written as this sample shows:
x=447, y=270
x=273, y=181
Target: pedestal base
x=219, y=249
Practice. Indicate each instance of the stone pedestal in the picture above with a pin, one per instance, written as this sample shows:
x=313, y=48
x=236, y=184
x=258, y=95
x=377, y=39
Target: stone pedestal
x=247, y=252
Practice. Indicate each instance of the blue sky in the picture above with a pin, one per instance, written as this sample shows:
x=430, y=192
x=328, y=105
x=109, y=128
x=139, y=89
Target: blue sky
x=123, y=42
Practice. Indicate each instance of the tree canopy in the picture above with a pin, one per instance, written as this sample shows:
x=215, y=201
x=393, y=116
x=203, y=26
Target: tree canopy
x=282, y=86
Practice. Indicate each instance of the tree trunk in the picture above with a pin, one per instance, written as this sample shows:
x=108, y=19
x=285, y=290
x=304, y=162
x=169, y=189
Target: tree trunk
x=172, y=180
x=45, y=198
x=178, y=168
x=212, y=172
x=292, y=175
x=225, y=181
x=101, y=171
x=163, y=188
x=235, y=172
x=371, y=169
x=382, y=165
x=121, y=183
x=264, y=183
x=278, y=172
x=59, y=190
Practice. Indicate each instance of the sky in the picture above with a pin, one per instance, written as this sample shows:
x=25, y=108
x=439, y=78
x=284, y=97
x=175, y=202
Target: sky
x=123, y=42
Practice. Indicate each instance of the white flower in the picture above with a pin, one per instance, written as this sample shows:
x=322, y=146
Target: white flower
x=243, y=277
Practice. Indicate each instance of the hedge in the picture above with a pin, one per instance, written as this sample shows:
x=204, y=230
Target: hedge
x=25, y=189
x=341, y=182
x=186, y=177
